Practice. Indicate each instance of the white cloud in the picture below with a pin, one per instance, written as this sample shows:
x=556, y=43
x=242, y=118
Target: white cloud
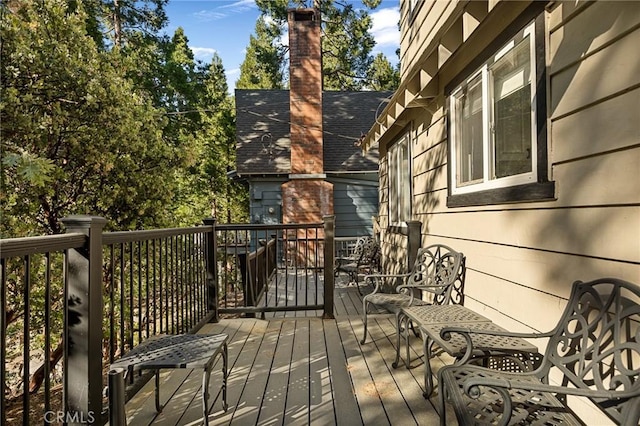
x=209, y=15
x=221, y=12
x=240, y=5
x=203, y=53
x=385, y=26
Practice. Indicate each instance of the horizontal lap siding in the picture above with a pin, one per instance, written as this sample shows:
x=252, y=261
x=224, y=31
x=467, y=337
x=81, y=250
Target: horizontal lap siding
x=609, y=125
x=606, y=73
x=534, y=251
x=354, y=204
x=431, y=14
x=522, y=258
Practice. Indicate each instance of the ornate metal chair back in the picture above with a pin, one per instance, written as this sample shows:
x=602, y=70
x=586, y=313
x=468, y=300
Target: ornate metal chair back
x=441, y=266
x=596, y=342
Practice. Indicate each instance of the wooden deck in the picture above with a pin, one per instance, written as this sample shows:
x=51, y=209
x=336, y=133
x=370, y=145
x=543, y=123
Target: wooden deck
x=299, y=369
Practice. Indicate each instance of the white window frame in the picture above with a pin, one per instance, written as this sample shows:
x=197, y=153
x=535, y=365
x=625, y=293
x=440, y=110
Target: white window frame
x=489, y=181
x=400, y=180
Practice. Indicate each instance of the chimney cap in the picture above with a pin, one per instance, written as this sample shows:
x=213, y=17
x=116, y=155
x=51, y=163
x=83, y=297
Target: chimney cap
x=300, y=14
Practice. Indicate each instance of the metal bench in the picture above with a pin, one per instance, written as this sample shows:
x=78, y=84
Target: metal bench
x=593, y=352
x=193, y=351
x=498, y=351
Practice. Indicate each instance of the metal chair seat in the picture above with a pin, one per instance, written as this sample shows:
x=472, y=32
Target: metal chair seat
x=393, y=302
x=438, y=271
x=529, y=407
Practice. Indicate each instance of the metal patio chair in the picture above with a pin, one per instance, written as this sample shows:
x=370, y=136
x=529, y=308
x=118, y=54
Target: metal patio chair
x=438, y=273
x=593, y=352
x=364, y=260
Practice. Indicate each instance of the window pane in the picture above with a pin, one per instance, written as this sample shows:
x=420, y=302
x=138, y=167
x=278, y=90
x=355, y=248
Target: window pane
x=399, y=181
x=468, y=119
x=405, y=182
x=393, y=184
x=511, y=82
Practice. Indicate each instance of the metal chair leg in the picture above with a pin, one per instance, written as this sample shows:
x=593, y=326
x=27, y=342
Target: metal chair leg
x=206, y=378
x=159, y=406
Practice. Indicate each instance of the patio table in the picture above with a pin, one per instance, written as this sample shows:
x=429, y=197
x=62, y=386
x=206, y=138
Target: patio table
x=431, y=319
x=193, y=351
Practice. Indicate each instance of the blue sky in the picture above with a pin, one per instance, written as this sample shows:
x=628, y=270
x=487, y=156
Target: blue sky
x=224, y=26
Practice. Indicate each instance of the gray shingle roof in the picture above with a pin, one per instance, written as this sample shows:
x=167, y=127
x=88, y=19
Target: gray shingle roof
x=263, y=134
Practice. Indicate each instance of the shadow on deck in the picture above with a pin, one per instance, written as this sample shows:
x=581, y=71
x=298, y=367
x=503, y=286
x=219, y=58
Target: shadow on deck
x=299, y=369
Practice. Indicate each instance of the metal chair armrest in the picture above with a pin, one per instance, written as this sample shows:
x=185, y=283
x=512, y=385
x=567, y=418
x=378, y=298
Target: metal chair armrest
x=425, y=287
x=378, y=278
x=466, y=333
x=472, y=386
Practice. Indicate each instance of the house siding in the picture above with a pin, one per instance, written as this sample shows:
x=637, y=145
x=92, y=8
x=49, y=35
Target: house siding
x=355, y=202
x=523, y=257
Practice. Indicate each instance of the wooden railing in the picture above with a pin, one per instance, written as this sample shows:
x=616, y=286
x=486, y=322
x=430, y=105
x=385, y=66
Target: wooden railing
x=65, y=298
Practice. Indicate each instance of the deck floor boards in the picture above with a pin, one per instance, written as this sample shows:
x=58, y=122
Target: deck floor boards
x=298, y=369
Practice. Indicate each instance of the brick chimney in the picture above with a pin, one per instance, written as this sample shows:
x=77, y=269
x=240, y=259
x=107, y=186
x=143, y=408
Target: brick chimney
x=307, y=196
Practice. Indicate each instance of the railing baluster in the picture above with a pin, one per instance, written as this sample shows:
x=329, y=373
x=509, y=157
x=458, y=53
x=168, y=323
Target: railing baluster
x=27, y=339
x=182, y=285
x=190, y=280
x=146, y=269
x=112, y=328
x=3, y=340
x=122, y=300
x=155, y=295
x=200, y=283
x=139, y=296
x=187, y=282
x=47, y=332
x=174, y=284
x=132, y=329
x=164, y=293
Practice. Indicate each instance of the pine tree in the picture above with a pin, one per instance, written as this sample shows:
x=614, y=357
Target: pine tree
x=346, y=42
x=228, y=198
x=77, y=136
x=382, y=75
x=262, y=67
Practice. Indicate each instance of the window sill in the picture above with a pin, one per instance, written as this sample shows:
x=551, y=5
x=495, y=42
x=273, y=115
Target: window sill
x=404, y=228
x=512, y=194
x=398, y=228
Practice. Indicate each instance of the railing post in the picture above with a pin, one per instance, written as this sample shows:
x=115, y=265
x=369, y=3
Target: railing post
x=212, y=268
x=117, y=415
x=414, y=241
x=329, y=253
x=82, y=385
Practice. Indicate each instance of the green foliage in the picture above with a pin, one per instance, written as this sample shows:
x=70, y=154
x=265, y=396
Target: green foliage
x=346, y=48
x=99, y=115
x=262, y=67
x=34, y=170
x=78, y=124
x=382, y=75
x=346, y=43
x=104, y=128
